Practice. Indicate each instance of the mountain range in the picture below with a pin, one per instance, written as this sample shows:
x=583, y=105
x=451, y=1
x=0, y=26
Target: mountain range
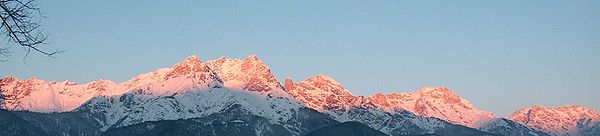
x=230, y=96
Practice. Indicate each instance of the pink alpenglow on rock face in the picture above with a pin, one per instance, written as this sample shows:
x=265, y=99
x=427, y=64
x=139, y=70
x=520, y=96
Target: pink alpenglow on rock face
x=248, y=74
x=192, y=88
x=324, y=93
x=439, y=102
x=566, y=120
x=41, y=96
x=188, y=75
x=191, y=74
x=191, y=66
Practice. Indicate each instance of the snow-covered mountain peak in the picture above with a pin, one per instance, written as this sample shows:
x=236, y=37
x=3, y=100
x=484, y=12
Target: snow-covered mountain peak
x=100, y=86
x=327, y=84
x=191, y=66
x=192, y=59
x=252, y=57
x=289, y=84
x=439, y=102
x=33, y=78
x=10, y=79
x=435, y=90
x=197, y=90
x=322, y=93
x=188, y=75
x=7, y=79
x=65, y=83
x=146, y=78
x=324, y=79
x=443, y=94
x=250, y=74
x=193, y=89
x=562, y=120
x=38, y=95
x=444, y=103
x=382, y=111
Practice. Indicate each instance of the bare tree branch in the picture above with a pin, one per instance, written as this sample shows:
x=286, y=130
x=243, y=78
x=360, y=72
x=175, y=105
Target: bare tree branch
x=17, y=26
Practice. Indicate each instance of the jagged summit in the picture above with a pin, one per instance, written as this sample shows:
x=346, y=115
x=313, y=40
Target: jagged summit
x=439, y=102
x=33, y=78
x=252, y=57
x=192, y=88
x=190, y=65
x=323, y=78
x=289, y=84
x=248, y=74
x=188, y=75
x=324, y=93
x=193, y=59
x=42, y=96
x=430, y=89
x=11, y=79
x=326, y=83
x=8, y=79
x=564, y=120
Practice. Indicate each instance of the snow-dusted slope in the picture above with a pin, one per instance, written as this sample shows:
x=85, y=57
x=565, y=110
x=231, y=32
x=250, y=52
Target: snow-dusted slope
x=38, y=95
x=42, y=96
x=385, y=114
x=248, y=74
x=191, y=89
x=323, y=93
x=439, y=102
x=566, y=120
x=508, y=127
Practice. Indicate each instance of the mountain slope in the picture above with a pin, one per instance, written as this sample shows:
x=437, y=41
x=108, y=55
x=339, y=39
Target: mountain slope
x=328, y=96
x=26, y=123
x=346, y=129
x=439, y=102
x=507, y=127
x=72, y=123
x=323, y=93
x=13, y=125
x=565, y=120
x=233, y=121
x=191, y=89
x=250, y=74
x=588, y=127
x=38, y=95
x=191, y=93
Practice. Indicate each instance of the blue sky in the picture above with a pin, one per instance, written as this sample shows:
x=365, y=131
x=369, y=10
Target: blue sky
x=500, y=55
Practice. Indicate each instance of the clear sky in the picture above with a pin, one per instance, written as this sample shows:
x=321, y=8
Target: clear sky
x=500, y=55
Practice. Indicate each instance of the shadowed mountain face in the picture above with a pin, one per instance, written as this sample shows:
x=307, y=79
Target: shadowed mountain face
x=508, y=127
x=233, y=121
x=346, y=129
x=24, y=123
x=12, y=125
